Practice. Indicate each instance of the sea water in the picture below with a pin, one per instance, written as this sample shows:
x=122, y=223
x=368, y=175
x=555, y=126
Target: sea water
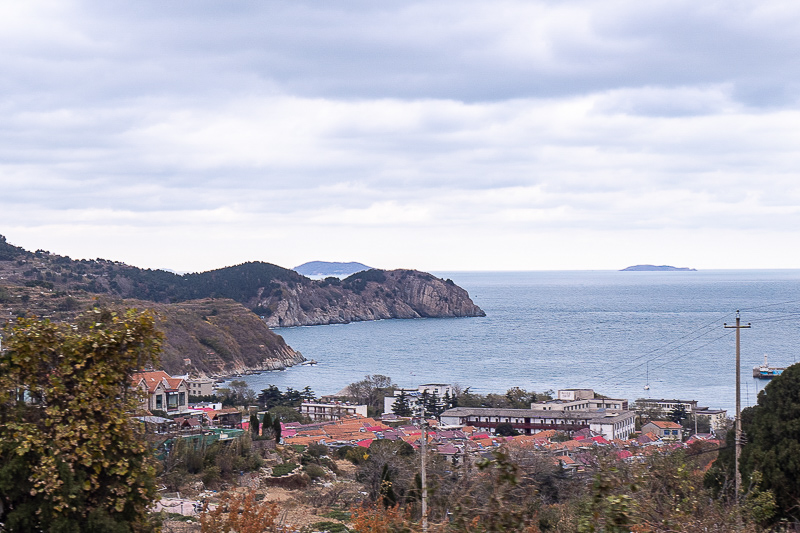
x=614, y=332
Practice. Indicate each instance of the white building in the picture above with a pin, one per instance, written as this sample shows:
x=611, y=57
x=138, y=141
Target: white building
x=200, y=386
x=331, y=411
x=611, y=424
x=717, y=418
x=441, y=390
x=580, y=400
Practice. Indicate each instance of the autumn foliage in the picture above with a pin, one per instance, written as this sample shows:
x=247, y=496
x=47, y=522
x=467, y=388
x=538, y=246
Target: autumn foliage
x=70, y=455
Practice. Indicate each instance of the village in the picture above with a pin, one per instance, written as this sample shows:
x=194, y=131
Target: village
x=567, y=430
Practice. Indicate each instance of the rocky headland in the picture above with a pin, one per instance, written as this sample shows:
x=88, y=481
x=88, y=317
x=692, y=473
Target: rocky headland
x=218, y=322
x=369, y=295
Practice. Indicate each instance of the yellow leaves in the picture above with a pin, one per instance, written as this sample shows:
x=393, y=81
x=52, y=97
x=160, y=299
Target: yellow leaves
x=77, y=431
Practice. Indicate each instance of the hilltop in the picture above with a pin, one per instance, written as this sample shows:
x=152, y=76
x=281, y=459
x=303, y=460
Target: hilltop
x=326, y=268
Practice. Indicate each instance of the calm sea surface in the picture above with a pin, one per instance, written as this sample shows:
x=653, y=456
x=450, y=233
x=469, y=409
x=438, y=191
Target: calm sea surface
x=611, y=331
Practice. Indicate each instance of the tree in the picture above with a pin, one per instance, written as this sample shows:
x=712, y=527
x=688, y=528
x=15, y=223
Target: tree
x=772, y=429
x=401, y=406
x=270, y=397
x=71, y=457
x=254, y=424
x=371, y=390
x=505, y=430
x=678, y=414
x=276, y=429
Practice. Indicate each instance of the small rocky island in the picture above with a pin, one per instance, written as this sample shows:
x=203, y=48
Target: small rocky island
x=654, y=268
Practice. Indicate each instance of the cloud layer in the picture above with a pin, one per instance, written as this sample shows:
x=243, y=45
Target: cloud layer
x=447, y=135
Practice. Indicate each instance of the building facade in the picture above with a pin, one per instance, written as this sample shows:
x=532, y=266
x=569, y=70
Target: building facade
x=331, y=411
x=162, y=392
x=611, y=424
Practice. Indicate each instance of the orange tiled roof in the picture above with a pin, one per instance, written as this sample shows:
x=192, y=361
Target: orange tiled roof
x=665, y=424
x=152, y=379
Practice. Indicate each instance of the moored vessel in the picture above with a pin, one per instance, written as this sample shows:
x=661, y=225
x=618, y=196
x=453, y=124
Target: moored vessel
x=767, y=372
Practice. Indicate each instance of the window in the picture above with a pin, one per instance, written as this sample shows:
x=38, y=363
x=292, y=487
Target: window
x=181, y=398
x=159, y=402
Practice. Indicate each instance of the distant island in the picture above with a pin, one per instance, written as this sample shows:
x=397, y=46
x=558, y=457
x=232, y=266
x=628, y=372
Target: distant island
x=654, y=268
x=326, y=268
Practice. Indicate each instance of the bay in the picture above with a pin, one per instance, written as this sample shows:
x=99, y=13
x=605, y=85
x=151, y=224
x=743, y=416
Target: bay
x=611, y=331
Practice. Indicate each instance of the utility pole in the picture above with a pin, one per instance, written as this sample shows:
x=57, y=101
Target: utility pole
x=423, y=473
x=738, y=424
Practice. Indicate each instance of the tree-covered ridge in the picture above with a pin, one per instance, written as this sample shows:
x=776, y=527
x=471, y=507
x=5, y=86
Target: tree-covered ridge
x=279, y=295
x=9, y=252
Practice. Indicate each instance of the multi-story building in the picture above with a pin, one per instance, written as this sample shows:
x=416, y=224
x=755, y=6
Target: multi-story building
x=163, y=392
x=331, y=411
x=717, y=418
x=580, y=400
x=200, y=386
x=612, y=424
x=663, y=407
x=441, y=390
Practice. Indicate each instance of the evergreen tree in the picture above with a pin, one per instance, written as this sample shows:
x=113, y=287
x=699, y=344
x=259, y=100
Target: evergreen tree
x=679, y=414
x=266, y=425
x=435, y=405
x=254, y=424
x=401, y=406
x=270, y=397
x=424, y=402
x=772, y=430
x=276, y=428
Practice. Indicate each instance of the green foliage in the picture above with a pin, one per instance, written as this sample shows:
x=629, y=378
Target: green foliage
x=679, y=414
x=283, y=469
x=71, y=459
x=772, y=428
x=358, y=281
x=330, y=527
x=273, y=397
x=314, y=471
x=505, y=430
x=401, y=406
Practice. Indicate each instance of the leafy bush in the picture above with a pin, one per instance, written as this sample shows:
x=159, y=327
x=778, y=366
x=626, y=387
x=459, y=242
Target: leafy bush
x=283, y=469
x=315, y=471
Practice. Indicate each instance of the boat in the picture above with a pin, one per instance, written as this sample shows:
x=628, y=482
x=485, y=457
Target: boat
x=767, y=372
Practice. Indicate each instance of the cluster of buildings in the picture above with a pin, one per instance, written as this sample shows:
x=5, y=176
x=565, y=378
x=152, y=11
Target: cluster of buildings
x=573, y=412
x=469, y=442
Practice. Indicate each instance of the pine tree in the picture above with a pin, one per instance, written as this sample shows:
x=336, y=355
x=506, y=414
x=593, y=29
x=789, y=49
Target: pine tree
x=435, y=406
x=276, y=428
x=254, y=424
x=401, y=406
x=424, y=402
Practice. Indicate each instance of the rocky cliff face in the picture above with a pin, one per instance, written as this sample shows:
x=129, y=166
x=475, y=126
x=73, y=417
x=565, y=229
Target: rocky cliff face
x=370, y=295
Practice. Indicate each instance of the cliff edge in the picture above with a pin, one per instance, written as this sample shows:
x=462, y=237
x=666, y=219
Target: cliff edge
x=368, y=295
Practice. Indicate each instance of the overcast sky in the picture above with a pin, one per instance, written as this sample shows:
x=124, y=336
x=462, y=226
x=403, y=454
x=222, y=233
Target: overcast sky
x=435, y=135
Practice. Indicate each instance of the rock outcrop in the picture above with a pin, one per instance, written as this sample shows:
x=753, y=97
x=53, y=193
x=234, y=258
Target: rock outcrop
x=370, y=295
